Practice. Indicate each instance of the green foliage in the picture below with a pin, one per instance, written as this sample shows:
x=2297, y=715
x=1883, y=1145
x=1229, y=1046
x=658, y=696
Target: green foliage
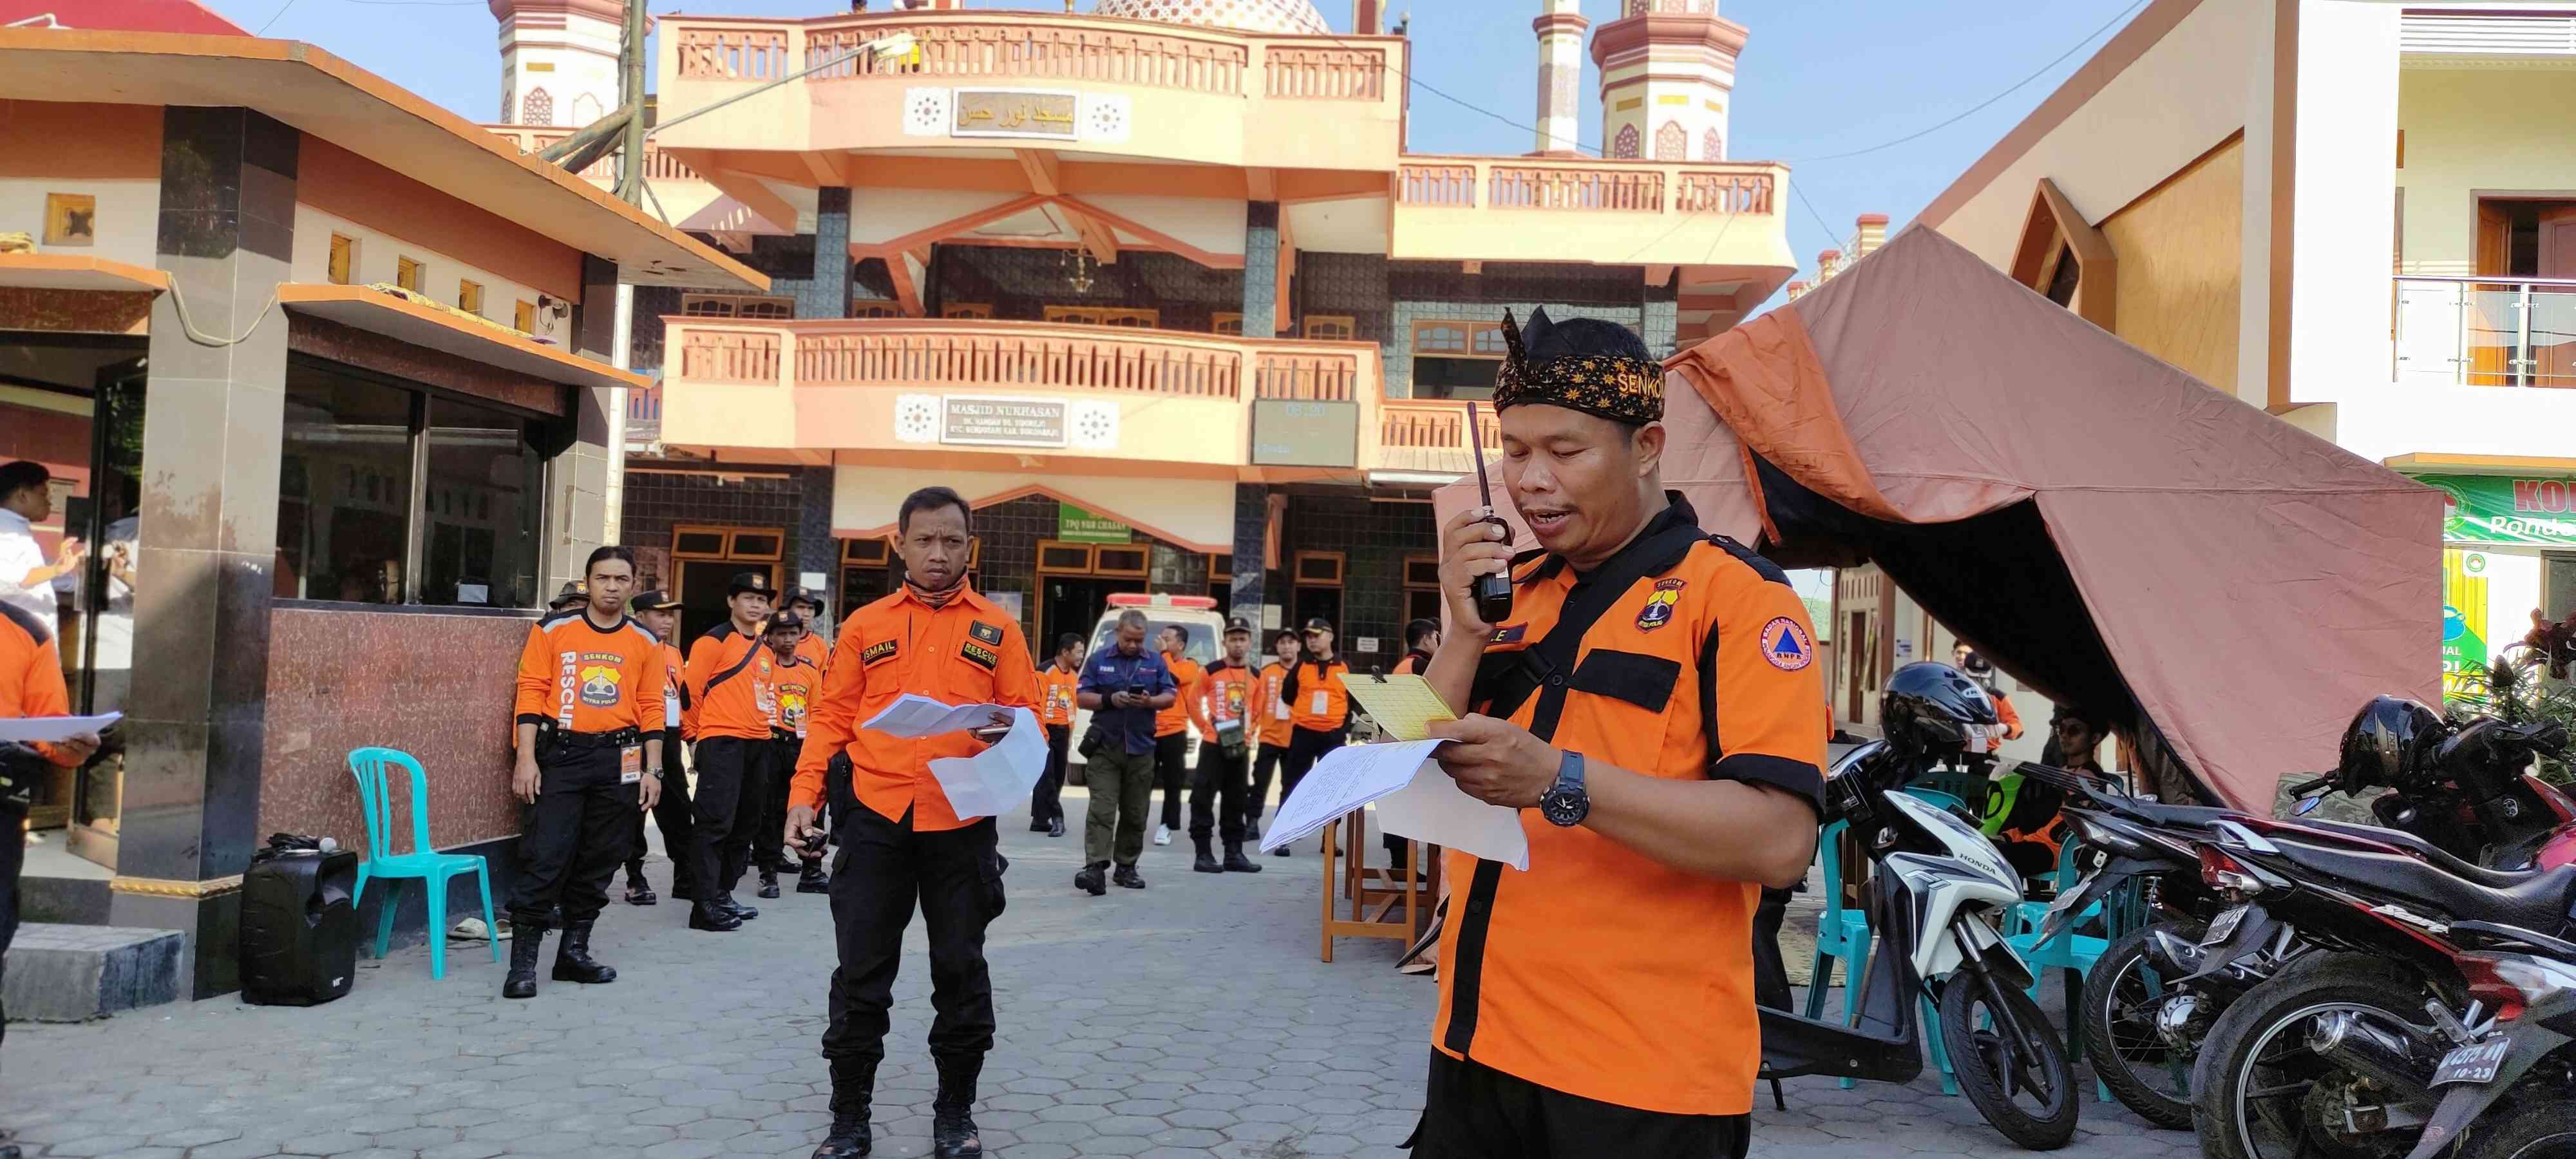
x=2516, y=688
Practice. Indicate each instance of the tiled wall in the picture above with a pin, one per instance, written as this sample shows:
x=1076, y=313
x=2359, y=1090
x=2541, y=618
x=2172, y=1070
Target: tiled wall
x=1433, y=291
x=1010, y=533
x=1374, y=538
x=644, y=338
x=656, y=502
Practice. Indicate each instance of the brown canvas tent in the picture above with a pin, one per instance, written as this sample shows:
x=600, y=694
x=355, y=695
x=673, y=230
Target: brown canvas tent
x=2109, y=530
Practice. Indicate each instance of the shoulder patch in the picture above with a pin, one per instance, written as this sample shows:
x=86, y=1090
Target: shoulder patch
x=1785, y=645
x=1761, y=567
x=1508, y=634
x=988, y=633
x=980, y=655
x=881, y=650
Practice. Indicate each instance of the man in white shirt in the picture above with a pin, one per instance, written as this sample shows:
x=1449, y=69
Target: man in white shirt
x=26, y=580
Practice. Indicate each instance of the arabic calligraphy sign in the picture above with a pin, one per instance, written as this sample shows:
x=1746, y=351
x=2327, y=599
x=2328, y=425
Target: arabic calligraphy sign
x=1012, y=113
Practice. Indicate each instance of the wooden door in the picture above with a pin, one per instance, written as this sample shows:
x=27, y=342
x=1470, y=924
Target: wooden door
x=2488, y=326
x=2553, y=308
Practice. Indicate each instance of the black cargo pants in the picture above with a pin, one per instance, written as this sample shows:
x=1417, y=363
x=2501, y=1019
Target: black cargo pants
x=884, y=869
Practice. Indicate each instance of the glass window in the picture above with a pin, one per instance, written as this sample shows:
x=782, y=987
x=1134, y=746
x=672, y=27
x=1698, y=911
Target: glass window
x=469, y=296
x=407, y=274
x=486, y=486
x=344, y=487
x=344, y=259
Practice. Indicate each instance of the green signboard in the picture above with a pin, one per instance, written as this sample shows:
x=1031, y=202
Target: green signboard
x=2503, y=509
x=1077, y=525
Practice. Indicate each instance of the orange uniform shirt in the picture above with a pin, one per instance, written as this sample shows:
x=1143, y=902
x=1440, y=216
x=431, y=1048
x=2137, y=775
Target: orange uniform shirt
x=1224, y=698
x=581, y=677
x=1186, y=673
x=675, y=689
x=1602, y=972
x=796, y=684
x=812, y=648
x=967, y=651
x=1055, y=695
x=1322, y=701
x=1274, y=713
x=31, y=679
x=729, y=681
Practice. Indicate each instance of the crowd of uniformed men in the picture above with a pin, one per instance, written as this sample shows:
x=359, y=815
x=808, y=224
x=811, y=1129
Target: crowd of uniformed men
x=1649, y=839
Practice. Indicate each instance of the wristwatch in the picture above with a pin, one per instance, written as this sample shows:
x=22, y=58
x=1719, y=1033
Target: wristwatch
x=1565, y=804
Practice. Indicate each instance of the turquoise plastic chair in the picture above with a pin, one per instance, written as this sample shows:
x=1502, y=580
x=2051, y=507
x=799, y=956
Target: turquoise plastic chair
x=371, y=765
x=2069, y=951
x=1843, y=933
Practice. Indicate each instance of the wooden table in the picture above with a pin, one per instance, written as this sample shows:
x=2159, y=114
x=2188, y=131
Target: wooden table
x=1348, y=878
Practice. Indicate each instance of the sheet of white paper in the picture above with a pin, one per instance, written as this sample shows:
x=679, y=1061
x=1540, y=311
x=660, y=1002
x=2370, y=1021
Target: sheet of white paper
x=998, y=779
x=918, y=716
x=1345, y=779
x=1433, y=809
x=29, y=728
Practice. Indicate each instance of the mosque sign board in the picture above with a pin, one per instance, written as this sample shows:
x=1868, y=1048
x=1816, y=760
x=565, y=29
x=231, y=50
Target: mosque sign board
x=1304, y=433
x=1013, y=113
x=1002, y=422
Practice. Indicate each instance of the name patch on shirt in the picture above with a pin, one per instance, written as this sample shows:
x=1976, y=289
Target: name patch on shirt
x=1510, y=633
x=881, y=650
x=988, y=633
x=978, y=654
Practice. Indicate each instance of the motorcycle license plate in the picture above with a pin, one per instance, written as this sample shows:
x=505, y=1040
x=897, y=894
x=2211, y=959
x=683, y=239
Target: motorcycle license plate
x=2221, y=929
x=2471, y=1064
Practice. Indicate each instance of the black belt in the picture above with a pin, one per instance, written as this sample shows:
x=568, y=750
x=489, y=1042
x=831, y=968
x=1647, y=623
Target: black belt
x=585, y=740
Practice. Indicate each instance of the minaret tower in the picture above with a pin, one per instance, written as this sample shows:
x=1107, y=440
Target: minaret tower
x=1560, y=28
x=1667, y=77
x=558, y=60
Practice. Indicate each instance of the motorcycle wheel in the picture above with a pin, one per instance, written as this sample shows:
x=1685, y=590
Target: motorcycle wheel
x=2121, y=998
x=2262, y=1094
x=2543, y=1130
x=1996, y=1075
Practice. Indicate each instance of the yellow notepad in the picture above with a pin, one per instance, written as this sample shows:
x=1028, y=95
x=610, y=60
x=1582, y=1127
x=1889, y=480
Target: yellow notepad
x=1403, y=706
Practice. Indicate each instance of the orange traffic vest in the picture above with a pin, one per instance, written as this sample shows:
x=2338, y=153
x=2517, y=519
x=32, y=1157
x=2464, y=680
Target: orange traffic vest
x=1321, y=702
x=1601, y=972
x=1276, y=715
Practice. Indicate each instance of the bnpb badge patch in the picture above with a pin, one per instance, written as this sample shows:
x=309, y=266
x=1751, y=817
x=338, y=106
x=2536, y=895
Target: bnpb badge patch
x=1786, y=646
x=1659, y=606
x=988, y=633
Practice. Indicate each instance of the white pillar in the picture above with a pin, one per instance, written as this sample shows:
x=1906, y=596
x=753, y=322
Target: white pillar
x=1560, y=28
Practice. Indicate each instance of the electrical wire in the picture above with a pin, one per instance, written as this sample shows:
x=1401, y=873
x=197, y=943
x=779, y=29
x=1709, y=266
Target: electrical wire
x=1981, y=106
x=281, y=12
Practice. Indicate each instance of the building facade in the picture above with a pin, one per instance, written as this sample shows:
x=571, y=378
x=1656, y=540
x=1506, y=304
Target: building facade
x=1161, y=288
x=2358, y=216
x=324, y=374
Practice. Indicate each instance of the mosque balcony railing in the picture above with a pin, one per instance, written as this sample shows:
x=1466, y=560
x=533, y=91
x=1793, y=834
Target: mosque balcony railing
x=920, y=383
x=902, y=79
x=1539, y=208
x=1429, y=436
x=658, y=165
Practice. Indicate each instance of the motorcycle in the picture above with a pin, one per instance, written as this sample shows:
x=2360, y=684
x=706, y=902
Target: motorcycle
x=2518, y=1063
x=2338, y=1049
x=1934, y=897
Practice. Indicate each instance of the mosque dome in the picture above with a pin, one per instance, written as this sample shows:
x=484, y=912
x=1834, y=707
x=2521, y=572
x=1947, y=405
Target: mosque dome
x=1291, y=16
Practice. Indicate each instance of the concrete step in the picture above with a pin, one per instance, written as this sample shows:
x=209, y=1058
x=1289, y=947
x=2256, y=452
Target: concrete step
x=59, y=973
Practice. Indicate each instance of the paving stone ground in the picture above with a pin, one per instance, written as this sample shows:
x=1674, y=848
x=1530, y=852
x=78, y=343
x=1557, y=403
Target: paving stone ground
x=1189, y=1021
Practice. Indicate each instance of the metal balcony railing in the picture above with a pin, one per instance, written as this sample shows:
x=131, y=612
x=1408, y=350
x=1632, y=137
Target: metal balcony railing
x=2474, y=331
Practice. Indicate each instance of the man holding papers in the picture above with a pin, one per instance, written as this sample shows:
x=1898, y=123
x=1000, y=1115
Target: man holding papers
x=1649, y=707
x=31, y=684
x=901, y=841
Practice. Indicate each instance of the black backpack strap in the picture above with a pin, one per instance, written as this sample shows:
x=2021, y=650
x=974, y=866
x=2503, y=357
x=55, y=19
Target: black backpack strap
x=738, y=666
x=1546, y=666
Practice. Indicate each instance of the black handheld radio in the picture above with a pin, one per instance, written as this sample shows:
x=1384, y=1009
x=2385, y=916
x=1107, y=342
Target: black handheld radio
x=1493, y=592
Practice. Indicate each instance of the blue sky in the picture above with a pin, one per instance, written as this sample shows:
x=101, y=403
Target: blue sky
x=1818, y=77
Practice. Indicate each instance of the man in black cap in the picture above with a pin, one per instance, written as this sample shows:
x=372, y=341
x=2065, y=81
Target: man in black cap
x=808, y=603
x=729, y=683
x=575, y=594
x=1319, y=707
x=660, y=614
x=798, y=682
x=1221, y=704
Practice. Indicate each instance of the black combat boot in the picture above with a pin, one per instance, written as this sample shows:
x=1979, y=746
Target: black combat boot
x=1236, y=862
x=1207, y=861
x=1093, y=879
x=810, y=878
x=573, y=962
x=769, y=883
x=854, y=1082
x=525, y=944
x=952, y=1112
x=1128, y=878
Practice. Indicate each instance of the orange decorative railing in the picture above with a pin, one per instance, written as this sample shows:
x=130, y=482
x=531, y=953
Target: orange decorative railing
x=1612, y=189
x=1724, y=193
x=1451, y=185
x=733, y=53
x=982, y=356
x=744, y=357
x=1427, y=425
x=1314, y=377
x=1326, y=73
x=1020, y=49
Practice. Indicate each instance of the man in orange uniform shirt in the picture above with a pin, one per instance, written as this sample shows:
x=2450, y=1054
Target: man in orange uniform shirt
x=796, y=679
x=1172, y=727
x=1649, y=708
x=1056, y=684
x=730, y=700
x=31, y=684
x=1221, y=707
x=901, y=843
x=1275, y=720
x=589, y=714
x=660, y=614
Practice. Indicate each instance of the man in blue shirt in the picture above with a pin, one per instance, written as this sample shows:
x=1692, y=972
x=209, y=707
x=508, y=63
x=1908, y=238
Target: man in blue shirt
x=1123, y=687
